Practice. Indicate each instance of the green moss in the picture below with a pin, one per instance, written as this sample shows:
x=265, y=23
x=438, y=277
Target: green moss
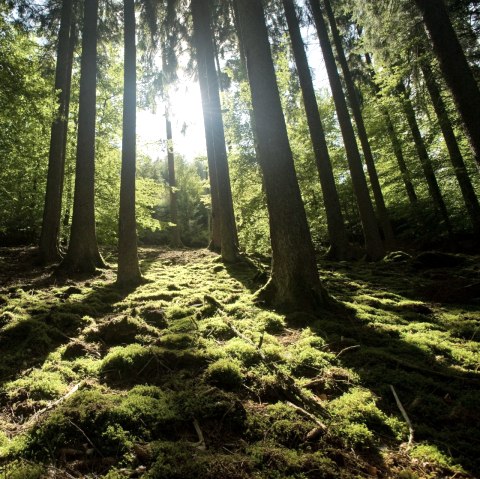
x=135, y=363
x=430, y=453
x=37, y=385
x=177, y=341
x=239, y=349
x=23, y=470
x=224, y=373
x=272, y=323
x=307, y=361
x=216, y=328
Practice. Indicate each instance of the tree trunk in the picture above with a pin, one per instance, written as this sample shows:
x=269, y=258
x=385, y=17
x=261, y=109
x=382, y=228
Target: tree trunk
x=128, y=269
x=83, y=255
x=336, y=228
x=397, y=150
x=362, y=132
x=468, y=193
x=243, y=65
x=373, y=242
x=49, y=247
x=175, y=239
x=213, y=121
x=294, y=283
x=392, y=134
x=422, y=153
x=455, y=68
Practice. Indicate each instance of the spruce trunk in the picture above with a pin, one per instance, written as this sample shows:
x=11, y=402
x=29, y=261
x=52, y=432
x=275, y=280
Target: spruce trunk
x=336, y=227
x=175, y=239
x=49, y=247
x=373, y=242
x=361, y=130
x=427, y=167
x=83, y=255
x=294, y=283
x=128, y=269
x=455, y=68
x=212, y=111
x=468, y=193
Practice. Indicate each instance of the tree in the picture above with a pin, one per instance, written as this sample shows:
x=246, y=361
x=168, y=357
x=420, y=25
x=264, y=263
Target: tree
x=294, y=282
x=128, y=269
x=82, y=254
x=336, y=228
x=469, y=197
x=455, y=68
x=214, y=131
x=433, y=188
x=175, y=230
x=361, y=130
x=49, y=238
x=373, y=242
x=392, y=134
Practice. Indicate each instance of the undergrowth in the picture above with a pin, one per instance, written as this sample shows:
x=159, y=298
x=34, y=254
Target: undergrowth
x=186, y=377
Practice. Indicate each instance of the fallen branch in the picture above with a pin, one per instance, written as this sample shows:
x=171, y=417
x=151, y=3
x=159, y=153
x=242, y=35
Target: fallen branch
x=35, y=417
x=405, y=416
x=347, y=349
x=201, y=440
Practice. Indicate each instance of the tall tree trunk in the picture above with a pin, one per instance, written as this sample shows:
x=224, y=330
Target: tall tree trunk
x=243, y=65
x=392, y=134
x=336, y=228
x=361, y=130
x=422, y=153
x=213, y=121
x=175, y=239
x=398, y=152
x=128, y=269
x=69, y=174
x=294, y=283
x=373, y=242
x=49, y=247
x=468, y=193
x=83, y=255
x=215, y=221
x=455, y=68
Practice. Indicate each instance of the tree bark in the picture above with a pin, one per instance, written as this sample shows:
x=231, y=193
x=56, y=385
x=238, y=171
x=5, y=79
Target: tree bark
x=49, y=247
x=373, y=242
x=83, y=255
x=456, y=158
x=336, y=227
x=361, y=130
x=427, y=167
x=175, y=239
x=455, y=68
x=128, y=268
x=214, y=132
x=294, y=283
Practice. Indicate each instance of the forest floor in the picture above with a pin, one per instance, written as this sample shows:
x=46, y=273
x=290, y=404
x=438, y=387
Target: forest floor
x=186, y=377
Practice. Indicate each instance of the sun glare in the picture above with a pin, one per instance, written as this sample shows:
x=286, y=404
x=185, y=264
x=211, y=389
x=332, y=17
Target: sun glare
x=187, y=124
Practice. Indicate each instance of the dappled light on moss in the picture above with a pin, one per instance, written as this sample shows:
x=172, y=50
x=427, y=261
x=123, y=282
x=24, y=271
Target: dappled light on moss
x=196, y=380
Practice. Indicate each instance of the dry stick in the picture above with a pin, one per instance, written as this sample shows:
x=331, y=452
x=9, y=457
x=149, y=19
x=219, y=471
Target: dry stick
x=201, y=440
x=47, y=408
x=289, y=388
x=347, y=349
x=405, y=416
x=308, y=415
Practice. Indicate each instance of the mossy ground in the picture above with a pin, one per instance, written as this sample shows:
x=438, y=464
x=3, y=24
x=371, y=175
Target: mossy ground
x=186, y=377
